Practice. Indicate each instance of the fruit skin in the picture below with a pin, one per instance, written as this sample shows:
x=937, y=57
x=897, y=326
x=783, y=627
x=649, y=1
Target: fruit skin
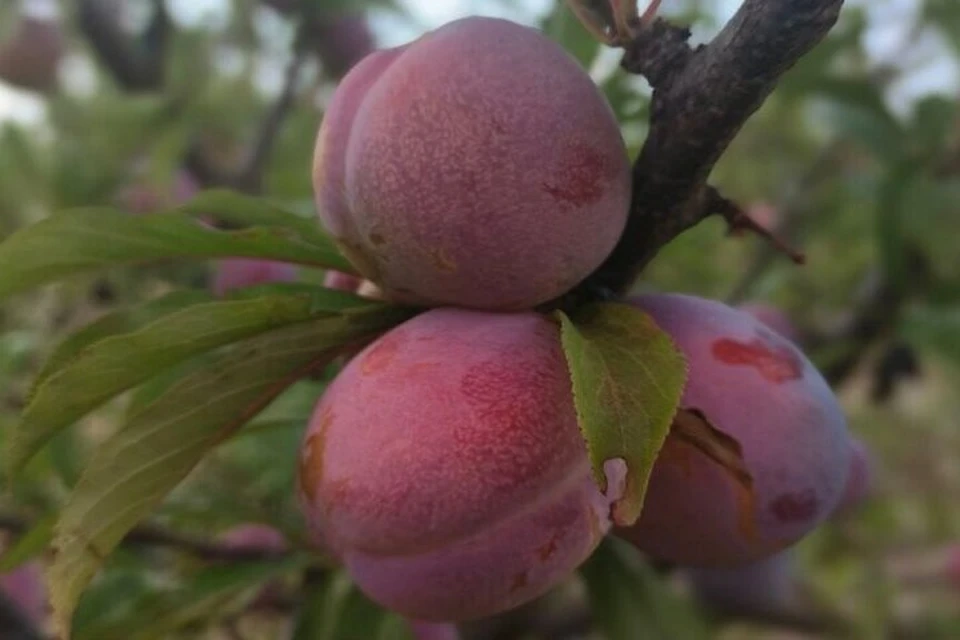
x=30, y=57
x=478, y=166
x=237, y=273
x=758, y=388
x=445, y=466
x=768, y=585
x=774, y=318
x=24, y=588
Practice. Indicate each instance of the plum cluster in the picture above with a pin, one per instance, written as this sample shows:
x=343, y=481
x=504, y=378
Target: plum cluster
x=479, y=172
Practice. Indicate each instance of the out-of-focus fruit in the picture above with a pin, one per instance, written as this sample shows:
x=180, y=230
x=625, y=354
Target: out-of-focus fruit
x=238, y=273
x=30, y=57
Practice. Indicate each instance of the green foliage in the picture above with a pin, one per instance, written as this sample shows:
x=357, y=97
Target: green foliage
x=627, y=381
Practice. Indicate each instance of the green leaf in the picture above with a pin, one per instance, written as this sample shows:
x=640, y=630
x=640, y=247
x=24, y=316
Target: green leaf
x=323, y=602
x=890, y=226
x=118, y=363
x=630, y=601
x=239, y=209
x=208, y=595
x=30, y=545
x=627, y=381
x=565, y=28
x=137, y=467
x=88, y=239
x=934, y=330
x=122, y=321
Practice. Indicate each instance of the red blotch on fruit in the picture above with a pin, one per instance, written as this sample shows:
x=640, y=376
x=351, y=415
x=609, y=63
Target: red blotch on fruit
x=793, y=507
x=583, y=172
x=776, y=363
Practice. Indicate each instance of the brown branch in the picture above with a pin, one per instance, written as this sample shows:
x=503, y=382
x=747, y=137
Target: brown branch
x=251, y=177
x=136, y=66
x=150, y=535
x=701, y=99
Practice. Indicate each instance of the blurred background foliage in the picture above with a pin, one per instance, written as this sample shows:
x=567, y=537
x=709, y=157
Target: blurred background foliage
x=855, y=159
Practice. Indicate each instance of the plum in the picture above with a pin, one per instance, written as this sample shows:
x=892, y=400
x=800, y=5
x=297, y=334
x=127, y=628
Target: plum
x=478, y=166
x=445, y=467
x=30, y=57
x=237, y=273
x=755, y=387
x=255, y=538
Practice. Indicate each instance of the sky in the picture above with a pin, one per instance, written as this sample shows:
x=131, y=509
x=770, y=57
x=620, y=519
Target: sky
x=886, y=40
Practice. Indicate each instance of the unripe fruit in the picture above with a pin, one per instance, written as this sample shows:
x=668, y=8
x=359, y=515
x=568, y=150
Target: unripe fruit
x=859, y=480
x=445, y=466
x=31, y=56
x=756, y=387
x=774, y=318
x=24, y=588
x=478, y=166
x=237, y=273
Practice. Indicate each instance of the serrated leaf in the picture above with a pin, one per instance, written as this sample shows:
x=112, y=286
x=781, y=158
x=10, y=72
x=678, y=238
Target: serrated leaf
x=118, y=363
x=627, y=381
x=630, y=601
x=136, y=468
x=89, y=239
x=29, y=545
x=207, y=595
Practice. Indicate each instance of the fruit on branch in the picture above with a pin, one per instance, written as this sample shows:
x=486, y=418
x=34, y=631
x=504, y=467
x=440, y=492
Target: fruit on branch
x=478, y=166
x=859, y=480
x=30, y=57
x=774, y=318
x=237, y=273
x=754, y=386
x=445, y=467
x=433, y=630
x=24, y=588
x=766, y=586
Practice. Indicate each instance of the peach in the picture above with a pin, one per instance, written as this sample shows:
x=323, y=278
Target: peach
x=445, y=467
x=478, y=166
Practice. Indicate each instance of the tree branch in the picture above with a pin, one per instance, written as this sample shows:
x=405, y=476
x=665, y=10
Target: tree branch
x=148, y=535
x=701, y=99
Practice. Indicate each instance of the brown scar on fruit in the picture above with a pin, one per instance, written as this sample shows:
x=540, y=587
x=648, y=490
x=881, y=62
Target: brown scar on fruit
x=548, y=549
x=442, y=261
x=519, y=582
x=692, y=426
x=377, y=239
x=311, y=462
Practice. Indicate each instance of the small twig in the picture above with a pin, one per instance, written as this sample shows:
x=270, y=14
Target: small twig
x=150, y=535
x=701, y=99
x=251, y=176
x=739, y=220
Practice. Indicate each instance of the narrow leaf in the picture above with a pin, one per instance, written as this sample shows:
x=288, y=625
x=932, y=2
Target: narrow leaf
x=121, y=321
x=116, y=364
x=627, y=381
x=30, y=545
x=237, y=208
x=136, y=468
x=89, y=239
